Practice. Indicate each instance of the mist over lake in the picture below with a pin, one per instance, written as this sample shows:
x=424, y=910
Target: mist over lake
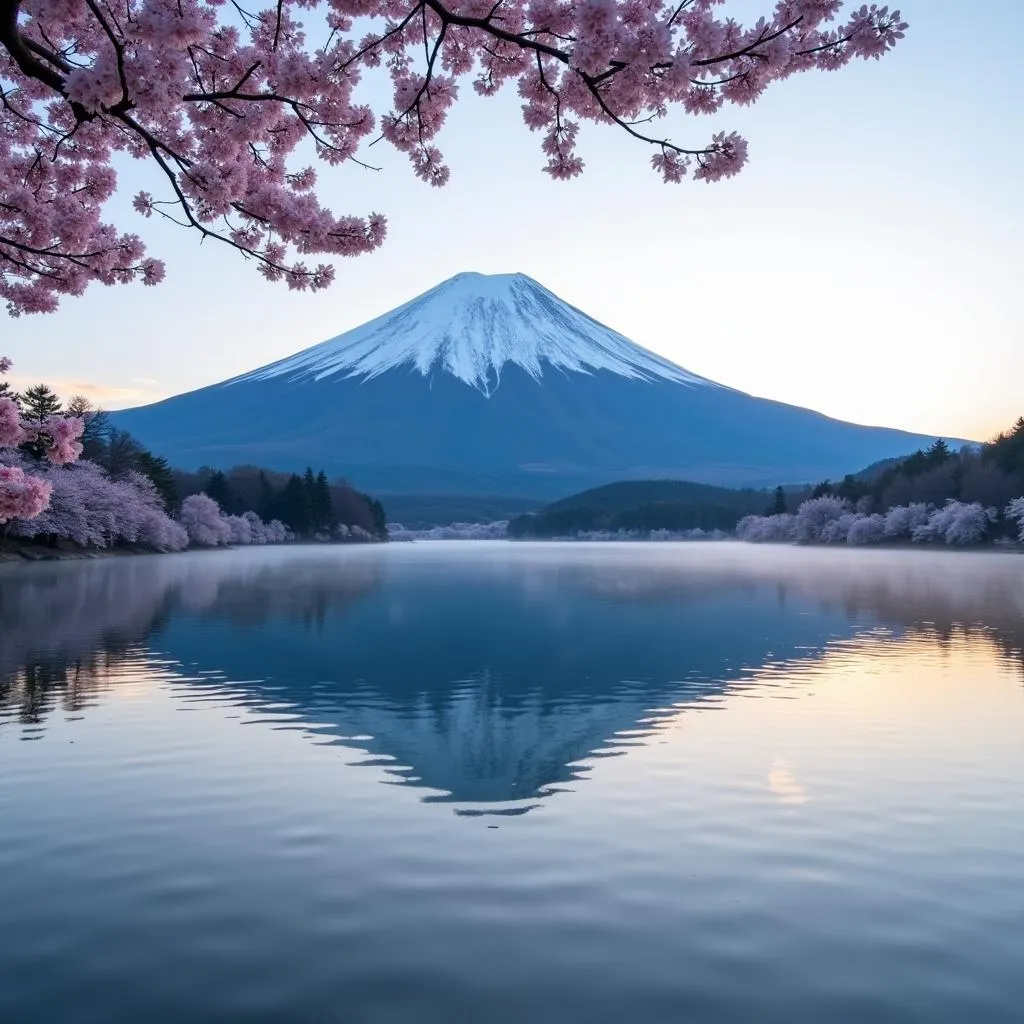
x=513, y=782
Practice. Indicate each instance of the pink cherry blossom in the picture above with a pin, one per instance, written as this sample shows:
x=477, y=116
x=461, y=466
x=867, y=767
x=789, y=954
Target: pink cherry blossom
x=12, y=433
x=226, y=104
x=22, y=496
x=64, y=432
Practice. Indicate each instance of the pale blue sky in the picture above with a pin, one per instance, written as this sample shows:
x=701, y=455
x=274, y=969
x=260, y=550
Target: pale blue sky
x=866, y=263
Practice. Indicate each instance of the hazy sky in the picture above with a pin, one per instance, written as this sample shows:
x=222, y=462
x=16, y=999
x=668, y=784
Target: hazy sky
x=867, y=263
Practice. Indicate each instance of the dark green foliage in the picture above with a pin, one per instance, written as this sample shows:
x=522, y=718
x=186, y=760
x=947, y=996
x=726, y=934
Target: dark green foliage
x=642, y=505
x=218, y=488
x=38, y=402
x=310, y=505
x=323, y=509
x=1007, y=450
x=119, y=453
x=380, y=525
x=265, y=508
x=991, y=474
x=159, y=472
x=852, y=489
x=779, y=503
x=293, y=506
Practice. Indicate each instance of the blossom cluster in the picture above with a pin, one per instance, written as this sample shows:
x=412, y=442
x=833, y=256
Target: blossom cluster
x=225, y=106
x=24, y=494
x=831, y=520
x=89, y=508
x=206, y=526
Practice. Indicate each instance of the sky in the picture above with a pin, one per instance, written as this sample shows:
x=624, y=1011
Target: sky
x=866, y=263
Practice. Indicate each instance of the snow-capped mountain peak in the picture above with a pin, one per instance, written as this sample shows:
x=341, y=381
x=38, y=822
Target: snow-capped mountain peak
x=471, y=326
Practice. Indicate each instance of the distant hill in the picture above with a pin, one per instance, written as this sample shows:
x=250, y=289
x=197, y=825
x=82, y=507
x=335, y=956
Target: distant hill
x=643, y=505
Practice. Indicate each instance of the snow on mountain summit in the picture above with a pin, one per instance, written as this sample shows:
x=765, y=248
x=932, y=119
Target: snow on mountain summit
x=471, y=326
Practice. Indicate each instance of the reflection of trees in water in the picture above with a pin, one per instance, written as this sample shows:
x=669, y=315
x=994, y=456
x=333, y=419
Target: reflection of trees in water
x=65, y=627
x=947, y=595
x=38, y=689
x=477, y=707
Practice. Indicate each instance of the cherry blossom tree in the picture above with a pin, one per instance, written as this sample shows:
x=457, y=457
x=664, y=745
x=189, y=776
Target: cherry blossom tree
x=24, y=494
x=202, y=519
x=957, y=523
x=227, y=103
x=902, y=521
x=208, y=527
x=1015, y=511
x=90, y=509
x=775, y=529
x=816, y=520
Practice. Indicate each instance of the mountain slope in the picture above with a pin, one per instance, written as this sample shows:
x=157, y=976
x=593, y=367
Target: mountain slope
x=492, y=385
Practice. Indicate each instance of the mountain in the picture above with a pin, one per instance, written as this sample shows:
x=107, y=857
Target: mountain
x=493, y=385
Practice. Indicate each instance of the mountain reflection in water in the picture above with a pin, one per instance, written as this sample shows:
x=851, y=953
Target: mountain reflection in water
x=486, y=674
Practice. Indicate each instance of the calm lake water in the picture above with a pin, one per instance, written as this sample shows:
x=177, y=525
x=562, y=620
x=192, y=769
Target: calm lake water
x=513, y=783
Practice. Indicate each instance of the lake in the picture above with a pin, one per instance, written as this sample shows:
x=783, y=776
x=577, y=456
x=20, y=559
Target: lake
x=513, y=783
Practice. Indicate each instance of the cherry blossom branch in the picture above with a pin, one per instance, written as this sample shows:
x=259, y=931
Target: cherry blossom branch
x=220, y=106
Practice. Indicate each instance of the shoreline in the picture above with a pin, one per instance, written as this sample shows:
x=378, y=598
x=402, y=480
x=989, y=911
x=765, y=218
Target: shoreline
x=14, y=551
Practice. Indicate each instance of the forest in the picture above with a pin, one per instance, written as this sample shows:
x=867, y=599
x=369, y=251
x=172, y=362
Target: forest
x=937, y=495
x=69, y=478
x=966, y=497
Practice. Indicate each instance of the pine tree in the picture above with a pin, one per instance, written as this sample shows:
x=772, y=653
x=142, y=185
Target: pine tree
x=309, y=492
x=380, y=525
x=938, y=453
x=38, y=402
x=218, y=488
x=158, y=469
x=293, y=506
x=323, y=507
x=266, y=500
x=779, y=507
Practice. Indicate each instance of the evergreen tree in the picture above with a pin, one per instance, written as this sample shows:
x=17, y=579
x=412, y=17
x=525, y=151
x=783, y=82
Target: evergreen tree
x=938, y=453
x=38, y=402
x=779, y=507
x=293, y=506
x=380, y=525
x=157, y=468
x=266, y=499
x=218, y=488
x=309, y=491
x=323, y=507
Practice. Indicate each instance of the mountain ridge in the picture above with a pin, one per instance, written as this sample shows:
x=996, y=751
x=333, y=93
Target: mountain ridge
x=492, y=385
